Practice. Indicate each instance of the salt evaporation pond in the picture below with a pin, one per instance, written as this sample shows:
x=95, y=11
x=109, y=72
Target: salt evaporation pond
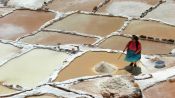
x=86, y=63
x=89, y=24
x=161, y=90
x=22, y=22
x=73, y=5
x=168, y=14
x=53, y=38
x=149, y=47
x=32, y=68
x=127, y=7
x=151, y=28
x=4, y=90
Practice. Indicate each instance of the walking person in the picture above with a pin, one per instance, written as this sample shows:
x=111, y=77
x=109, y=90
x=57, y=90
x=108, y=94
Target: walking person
x=133, y=51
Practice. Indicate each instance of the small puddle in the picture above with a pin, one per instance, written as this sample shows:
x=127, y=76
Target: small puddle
x=86, y=63
x=127, y=7
x=44, y=96
x=22, y=22
x=162, y=90
x=32, y=68
x=4, y=90
x=148, y=47
x=7, y=51
x=52, y=38
x=89, y=24
x=150, y=28
x=73, y=5
x=168, y=14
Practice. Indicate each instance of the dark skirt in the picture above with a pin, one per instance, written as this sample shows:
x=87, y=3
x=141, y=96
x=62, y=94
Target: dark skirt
x=131, y=56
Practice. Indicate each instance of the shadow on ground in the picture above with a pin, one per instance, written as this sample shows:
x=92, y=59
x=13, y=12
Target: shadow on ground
x=133, y=70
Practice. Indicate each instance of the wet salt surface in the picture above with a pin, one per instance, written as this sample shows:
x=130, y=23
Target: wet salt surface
x=73, y=5
x=151, y=28
x=22, y=22
x=127, y=7
x=89, y=24
x=87, y=61
x=32, y=68
x=161, y=90
x=52, y=38
x=148, y=47
x=168, y=14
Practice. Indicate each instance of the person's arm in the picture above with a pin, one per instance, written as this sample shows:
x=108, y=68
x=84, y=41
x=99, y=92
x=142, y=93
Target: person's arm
x=139, y=49
x=126, y=47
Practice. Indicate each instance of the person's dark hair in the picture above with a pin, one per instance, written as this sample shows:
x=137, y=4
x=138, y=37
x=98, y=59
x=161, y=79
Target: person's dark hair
x=136, y=39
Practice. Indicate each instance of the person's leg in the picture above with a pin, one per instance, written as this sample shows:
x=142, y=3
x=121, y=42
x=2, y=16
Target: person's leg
x=135, y=64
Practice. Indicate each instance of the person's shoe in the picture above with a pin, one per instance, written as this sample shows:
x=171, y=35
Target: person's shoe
x=130, y=64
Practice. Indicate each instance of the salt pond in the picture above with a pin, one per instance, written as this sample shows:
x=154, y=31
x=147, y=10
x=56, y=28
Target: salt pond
x=148, y=47
x=89, y=24
x=32, y=68
x=52, y=38
x=150, y=28
x=86, y=63
x=22, y=22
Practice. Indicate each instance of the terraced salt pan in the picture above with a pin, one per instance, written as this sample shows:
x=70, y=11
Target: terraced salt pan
x=52, y=38
x=5, y=10
x=148, y=47
x=4, y=90
x=7, y=51
x=168, y=14
x=161, y=90
x=73, y=5
x=22, y=22
x=89, y=24
x=151, y=28
x=32, y=68
x=127, y=7
x=83, y=65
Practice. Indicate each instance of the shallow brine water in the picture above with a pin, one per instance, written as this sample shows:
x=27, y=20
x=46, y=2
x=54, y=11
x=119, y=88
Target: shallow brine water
x=86, y=63
x=151, y=28
x=32, y=68
x=73, y=5
x=148, y=47
x=89, y=24
x=52, y=38
x=22, y=22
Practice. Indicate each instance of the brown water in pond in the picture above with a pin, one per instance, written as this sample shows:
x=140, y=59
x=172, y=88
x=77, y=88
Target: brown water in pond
x=4, y=90
x=44, y=96
x=150, y=28
x=148, y=47
x=52, y=38
x=89, y=24
x=162, y=90
x=73, y=5
x=83, y=65
x=22, y=22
